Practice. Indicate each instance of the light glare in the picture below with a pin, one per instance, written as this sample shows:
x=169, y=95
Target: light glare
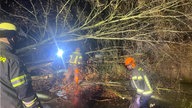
x=60, y=53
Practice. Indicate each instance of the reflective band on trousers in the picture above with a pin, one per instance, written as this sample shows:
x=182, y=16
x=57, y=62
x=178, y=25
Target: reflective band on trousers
x=30, y=103
x=20, y=80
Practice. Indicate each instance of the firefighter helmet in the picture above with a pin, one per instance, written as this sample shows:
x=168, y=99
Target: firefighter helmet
x=130, y=61
x=7, y=29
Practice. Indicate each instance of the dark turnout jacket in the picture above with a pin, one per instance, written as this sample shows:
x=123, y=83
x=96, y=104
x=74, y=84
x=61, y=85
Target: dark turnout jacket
x=15, y=85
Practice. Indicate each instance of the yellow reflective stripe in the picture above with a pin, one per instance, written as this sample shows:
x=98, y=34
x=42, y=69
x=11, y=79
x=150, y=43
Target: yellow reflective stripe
x=134, y=78
x=139, y=77
x=147, y=92
x=30, y=103
x=135, y=84
x=75, y=60
x=18, y=80
x=3, y=59
x=80, y=57
x=140, y=69
x=140, y=91
x=18, y=84
x=147, y=82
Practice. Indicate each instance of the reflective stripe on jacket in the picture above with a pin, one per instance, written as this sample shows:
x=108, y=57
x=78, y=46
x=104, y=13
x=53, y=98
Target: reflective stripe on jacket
x=140, y=82
x=15, y=84
x=75, y=58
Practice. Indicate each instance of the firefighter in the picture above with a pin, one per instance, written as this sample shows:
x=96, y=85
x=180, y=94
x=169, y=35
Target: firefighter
x=140, y=83
x=15, y=84
x=74, y=66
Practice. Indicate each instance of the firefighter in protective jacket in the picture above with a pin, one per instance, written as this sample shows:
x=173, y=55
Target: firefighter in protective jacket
x=140, y=83
x=15, y=85
x=74, y=64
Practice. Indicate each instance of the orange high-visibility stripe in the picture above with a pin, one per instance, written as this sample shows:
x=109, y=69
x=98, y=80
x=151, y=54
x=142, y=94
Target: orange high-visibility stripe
x=76, y=79
x=76, y=71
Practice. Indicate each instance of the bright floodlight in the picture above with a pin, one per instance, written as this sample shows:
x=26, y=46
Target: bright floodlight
x=60, y=53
